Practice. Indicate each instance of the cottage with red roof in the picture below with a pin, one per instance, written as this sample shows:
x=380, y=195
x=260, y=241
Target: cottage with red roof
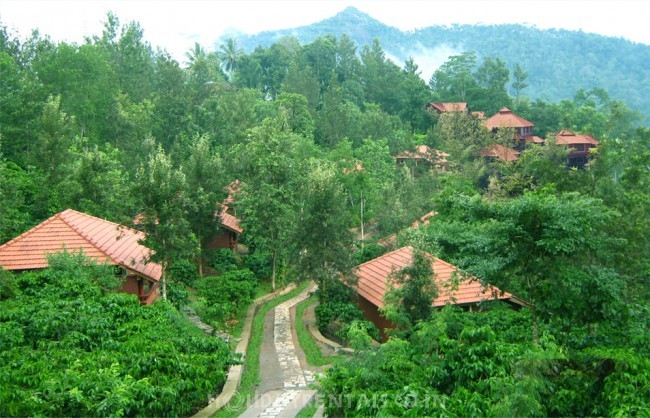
x=101, y=240
x=229, y=228
x=453, y=289
x=506, y=118
x=440, y=108
x=499, y=152
x=423, y=159
x=579, y=146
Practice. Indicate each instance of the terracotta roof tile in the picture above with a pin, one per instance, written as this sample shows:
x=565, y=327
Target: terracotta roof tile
x=424, y=152
x=99, y=239
x=506, y=118
x=565, y=137
x=453, y=289
x=446, y=107
x=533, y=139
x=227, y=220
x=500, y=152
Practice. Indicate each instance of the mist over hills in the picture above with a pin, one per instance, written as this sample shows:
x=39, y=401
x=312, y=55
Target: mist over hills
x=558, y=62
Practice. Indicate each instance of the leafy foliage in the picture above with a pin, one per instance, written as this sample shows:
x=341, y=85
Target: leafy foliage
x=226, y=294
x=70, y=349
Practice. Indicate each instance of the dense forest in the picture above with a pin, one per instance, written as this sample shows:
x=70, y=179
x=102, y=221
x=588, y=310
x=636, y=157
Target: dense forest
x=116, y=128
x=558, y=62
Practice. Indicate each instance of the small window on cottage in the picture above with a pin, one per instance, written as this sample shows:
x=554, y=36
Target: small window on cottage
x=579, y=147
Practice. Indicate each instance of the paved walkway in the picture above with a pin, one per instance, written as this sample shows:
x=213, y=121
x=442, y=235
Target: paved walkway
x=294, y=392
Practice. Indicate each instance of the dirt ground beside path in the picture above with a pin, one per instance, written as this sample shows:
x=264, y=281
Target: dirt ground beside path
x=271, y=375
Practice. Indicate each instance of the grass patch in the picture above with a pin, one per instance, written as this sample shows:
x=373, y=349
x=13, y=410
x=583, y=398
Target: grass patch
x=263, y=289
x=308, y=411
x=251, y=375
x=313, y=353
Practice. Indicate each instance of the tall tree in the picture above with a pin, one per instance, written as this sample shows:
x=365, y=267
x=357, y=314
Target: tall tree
x=161, y=189
x=323, y=240
x=229, y=54
x=412, y=292
x=271, y=174
x=205, y=181
x=454, y=79
x=519, y=83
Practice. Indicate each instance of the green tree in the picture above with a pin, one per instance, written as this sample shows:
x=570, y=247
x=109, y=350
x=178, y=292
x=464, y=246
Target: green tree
x=519, y=83
x=545, y=248
x=229, y=54
x=267, y=203
x=205, y=182
x=161, y=189
x=323, y=241
x=454, y=79
x=412, y=292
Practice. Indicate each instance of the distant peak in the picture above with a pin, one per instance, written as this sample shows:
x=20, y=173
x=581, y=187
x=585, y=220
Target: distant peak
x=353, y=12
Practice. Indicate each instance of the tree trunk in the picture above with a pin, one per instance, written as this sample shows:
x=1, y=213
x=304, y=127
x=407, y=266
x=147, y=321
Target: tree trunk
x=164, y=282
x=535, y=329
x=363, y=236
x=200, y=260
x=273, y=273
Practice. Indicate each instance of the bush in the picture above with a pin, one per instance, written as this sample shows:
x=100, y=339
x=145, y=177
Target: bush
x=223, y=260
x=225, y=294
x=8, y=285
x=336, y=306
x=259, y=263
x=183, y=271
x=369, y=252
x=69, y=349
x=177, y=295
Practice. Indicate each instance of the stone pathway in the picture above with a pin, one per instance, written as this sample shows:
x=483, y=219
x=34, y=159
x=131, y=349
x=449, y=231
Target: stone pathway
x=295, y=394
x=193, y=318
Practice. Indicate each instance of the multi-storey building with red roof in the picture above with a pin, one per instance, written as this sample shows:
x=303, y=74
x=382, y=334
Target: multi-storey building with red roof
x=506, y=118
x=579, y=145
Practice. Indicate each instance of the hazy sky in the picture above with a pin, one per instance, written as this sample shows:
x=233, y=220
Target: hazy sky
x=176, y=25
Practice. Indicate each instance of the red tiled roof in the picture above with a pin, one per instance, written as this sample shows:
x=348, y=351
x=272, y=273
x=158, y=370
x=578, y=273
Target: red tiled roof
x=506, y=118
x=533, y=139
x=99, y=239
x=233, y=188
x=448, y=107
x=565, y=137
x=424, y=219
x=227, y=220
x=479, y=114
x=424, y=152
x=500, y=152
x=373, y=278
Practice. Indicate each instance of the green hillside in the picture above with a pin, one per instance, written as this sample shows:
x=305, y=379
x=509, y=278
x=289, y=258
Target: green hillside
x=558, y=62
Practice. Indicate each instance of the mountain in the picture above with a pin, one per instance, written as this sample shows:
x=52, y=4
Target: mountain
x=558, y=62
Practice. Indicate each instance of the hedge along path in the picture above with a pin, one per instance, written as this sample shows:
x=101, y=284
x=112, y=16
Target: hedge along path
x=236, y=370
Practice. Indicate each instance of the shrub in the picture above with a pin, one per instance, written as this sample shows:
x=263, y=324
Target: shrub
x=177, y=295
x=183, y=271
x=259, y=263
x=8, y=285
x=225, y=294
x=69, y=349
x=223, y=260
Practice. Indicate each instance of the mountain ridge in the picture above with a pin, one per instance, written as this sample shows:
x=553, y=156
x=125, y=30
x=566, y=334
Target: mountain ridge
x=558, y=61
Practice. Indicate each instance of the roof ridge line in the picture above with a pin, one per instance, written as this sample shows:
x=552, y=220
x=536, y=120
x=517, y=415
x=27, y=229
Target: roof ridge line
x=31, y=230
x=384, y=255
x=86, y=237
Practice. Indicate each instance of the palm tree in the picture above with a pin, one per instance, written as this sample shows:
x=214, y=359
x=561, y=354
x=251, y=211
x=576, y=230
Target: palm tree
x=229, y=54
x=195, y=54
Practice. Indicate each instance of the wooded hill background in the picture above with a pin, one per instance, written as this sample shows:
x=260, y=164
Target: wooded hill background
x=558, y=62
